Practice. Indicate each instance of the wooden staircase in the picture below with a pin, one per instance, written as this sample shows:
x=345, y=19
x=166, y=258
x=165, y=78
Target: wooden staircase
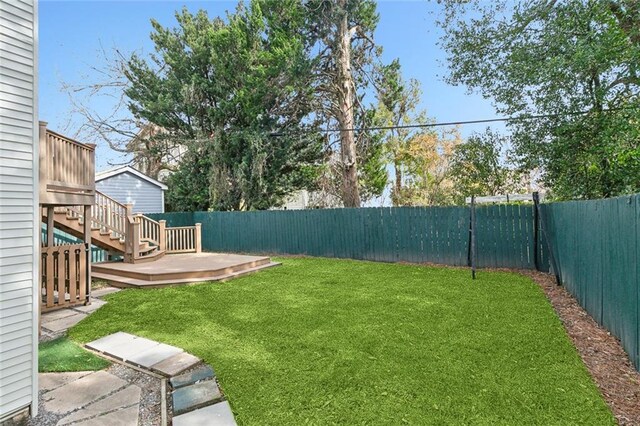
x=116, y=229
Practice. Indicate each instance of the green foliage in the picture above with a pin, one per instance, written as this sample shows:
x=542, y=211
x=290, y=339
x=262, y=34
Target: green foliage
x=477, y=166
x=61, y=355
x=219, y=88
x=325, y=341
x=372, y=173
x=558, y=58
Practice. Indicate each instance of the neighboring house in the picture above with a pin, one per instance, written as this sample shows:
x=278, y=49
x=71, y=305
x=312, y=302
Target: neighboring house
x=130, y=186
x=303, y=199
x=19, y=212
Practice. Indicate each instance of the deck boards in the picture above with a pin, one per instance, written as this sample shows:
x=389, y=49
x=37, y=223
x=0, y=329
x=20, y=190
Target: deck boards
x=180, y=269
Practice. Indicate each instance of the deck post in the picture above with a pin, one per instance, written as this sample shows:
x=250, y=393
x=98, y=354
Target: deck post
x=162, y=238
x=198, y=237
x=43, y=157
x=50, y=226
x=87, y=241
x=129, y=207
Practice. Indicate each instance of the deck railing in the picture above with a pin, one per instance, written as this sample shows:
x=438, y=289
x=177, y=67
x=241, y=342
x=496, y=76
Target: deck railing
x=67, y=169
x=184, y=239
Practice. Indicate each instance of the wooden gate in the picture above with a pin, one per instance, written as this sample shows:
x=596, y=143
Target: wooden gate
x=64, y=276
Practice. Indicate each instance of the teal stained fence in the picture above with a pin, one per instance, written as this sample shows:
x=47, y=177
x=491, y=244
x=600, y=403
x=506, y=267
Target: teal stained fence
x=597, y=249
x=406, y=234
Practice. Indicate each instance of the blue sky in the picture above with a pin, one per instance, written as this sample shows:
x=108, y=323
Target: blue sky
x=72, y=33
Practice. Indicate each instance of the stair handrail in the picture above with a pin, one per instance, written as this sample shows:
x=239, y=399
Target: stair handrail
x=110, y=215
x=150, y=230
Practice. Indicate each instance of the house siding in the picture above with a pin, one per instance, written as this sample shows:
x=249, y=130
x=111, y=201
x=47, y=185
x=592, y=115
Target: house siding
x=126, y=187
x=18, y=206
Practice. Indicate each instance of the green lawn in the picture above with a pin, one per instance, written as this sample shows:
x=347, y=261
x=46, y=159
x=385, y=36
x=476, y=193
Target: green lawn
x=63, y=355
x=324, y=341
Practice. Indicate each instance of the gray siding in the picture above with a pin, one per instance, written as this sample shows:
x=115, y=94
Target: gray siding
x=128, y=188
x=18, y=205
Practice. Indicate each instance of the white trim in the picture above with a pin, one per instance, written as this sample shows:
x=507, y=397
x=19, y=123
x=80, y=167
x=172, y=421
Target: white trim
x=36, y=218
x=124, y=169
x=162, y=195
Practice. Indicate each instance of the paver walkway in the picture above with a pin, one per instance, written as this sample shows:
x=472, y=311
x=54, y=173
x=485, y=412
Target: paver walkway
x=87, y=398
x=102, y=398
x=56, y=323
x=197, y=400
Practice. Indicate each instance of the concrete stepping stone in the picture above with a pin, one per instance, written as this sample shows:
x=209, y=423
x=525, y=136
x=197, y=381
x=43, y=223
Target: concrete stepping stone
x=64, y=323
x=118, y=401
x=176, y=364
x=126, y=417
x=104, y=291
x=154, y=355
x=201, y=373
x=195, y=396
x=56, y=315
x=122, y=345
x=94, y=306
x=82, y=392
x=50, y=381
x=219, y=414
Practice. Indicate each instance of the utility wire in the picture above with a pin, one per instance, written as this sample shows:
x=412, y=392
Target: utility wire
x=424, y=125
x=455, y=123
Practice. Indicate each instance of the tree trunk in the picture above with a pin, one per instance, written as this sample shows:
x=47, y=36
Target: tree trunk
x=350, y=192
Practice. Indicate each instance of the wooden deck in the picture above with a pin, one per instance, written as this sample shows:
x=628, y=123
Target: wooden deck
x=179, y=269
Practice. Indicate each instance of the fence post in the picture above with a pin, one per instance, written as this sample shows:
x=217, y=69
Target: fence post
x=552, y=258
x=536, y=225
x=87, y=241
x=162, y=238
x=473, y=237
x=198, y=237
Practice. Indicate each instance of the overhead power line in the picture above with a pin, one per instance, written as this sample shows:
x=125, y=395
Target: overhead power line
x=453, y=123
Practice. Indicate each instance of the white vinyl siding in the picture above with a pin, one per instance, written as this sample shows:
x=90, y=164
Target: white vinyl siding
x=18, y=205
x=126, y=187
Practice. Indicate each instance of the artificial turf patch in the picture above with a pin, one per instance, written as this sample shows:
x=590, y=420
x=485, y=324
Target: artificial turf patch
x=321, y=341
x=62, y=355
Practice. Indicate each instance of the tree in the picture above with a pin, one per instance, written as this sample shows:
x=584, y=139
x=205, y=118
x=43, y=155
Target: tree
x=477, y=166
x=342, y=32
x=237, y=94
x=428, y=179
x=397, y=106
x=575, y=62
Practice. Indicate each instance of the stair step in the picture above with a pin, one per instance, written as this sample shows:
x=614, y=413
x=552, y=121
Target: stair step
x=150, y=257
x=122, y=281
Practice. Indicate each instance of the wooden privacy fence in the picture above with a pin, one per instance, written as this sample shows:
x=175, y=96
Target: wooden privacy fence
x=64, y=276
x=596, y=245
x=408, y=234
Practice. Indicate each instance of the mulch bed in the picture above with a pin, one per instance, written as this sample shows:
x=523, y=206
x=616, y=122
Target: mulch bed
x=601, y=352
